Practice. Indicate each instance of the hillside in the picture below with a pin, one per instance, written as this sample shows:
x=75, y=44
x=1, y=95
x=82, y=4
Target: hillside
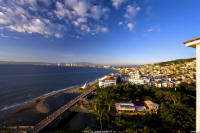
x=183, y=70
x=179, y=61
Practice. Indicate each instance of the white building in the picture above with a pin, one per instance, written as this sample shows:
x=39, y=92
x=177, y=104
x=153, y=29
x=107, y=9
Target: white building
x=195, y=43
x=134, y=75
x=106, y=66
x=151, y=106
x=164, y=83
x=159, y=85
x=135, y=78
x=107, y=81
x=124, y=107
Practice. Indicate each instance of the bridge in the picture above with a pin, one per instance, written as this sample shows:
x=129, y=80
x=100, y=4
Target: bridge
x=39, y=126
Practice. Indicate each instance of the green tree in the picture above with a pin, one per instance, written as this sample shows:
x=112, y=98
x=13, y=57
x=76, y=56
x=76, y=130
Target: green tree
x=178, y=116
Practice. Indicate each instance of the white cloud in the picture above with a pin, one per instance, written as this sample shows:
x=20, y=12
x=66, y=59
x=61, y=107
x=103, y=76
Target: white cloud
x=131, y=26
x=33, y=16
x=70, y=3
x=34, y=26
x=104, y=29
x=75, y=23
x=131, y=11
x=150, y=30
x=79, y=21
x=100, y=29
x=117, y=3
x=81, y=8
x=61, y=12
x=97, y=12
x=17, y=28
x=19, y=19
x=32, y=4
x=85, y=28
x=18, y=10
x=4, y=19
x=57, y=35
x=82, y=20
x=120, y=23
x=84, y=8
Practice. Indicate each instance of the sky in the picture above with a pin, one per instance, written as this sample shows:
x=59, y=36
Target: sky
x=107, y=32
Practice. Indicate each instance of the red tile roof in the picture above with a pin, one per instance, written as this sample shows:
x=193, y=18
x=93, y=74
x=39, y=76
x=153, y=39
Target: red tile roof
x=139, y=103
x=191, y=40
x=109, y=78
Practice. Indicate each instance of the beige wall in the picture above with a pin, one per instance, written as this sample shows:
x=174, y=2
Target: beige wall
x=198, y=88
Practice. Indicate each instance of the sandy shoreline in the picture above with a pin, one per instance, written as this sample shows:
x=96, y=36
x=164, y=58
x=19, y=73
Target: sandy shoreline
x=39, y=103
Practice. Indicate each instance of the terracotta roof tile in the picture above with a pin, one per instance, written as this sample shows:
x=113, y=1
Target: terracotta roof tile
x=109, y=78
x=191, y=40
x=139, y=103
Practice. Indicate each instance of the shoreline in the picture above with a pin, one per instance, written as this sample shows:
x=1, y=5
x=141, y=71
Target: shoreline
x=39, y=104
x=37, y=99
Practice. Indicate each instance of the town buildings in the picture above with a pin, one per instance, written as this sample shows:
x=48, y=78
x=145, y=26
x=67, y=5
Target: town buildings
x=165, y=74
x=160, y=81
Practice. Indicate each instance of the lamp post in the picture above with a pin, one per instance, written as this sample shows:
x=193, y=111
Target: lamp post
x=195, y=43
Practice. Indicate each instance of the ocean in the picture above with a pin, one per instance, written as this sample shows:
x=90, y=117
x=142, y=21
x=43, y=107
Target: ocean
x=22, y=83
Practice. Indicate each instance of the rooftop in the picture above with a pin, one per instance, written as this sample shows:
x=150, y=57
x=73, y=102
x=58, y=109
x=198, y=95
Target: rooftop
x=126, y=105
x=109, y=78
x=148, y=102
x=139, y=103
x=191, y=40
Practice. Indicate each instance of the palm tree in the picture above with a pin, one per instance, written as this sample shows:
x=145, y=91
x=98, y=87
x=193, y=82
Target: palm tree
x=132, y=128
x=99, y=108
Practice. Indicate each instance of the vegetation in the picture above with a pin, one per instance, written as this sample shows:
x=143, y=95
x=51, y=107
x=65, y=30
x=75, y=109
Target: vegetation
x=176, y=112
x=180, y=61
x=68, y=131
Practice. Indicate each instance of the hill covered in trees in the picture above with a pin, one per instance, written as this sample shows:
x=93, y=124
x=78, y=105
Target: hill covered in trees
x=174, y=62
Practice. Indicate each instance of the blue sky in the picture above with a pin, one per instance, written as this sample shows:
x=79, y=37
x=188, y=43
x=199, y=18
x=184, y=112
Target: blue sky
x=98, y=31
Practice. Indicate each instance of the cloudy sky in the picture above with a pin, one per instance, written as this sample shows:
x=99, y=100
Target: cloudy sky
x=98, y=31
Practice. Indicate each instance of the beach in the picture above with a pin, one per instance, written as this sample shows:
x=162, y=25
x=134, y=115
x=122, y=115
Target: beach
x=32, y=112
x=40, y=105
